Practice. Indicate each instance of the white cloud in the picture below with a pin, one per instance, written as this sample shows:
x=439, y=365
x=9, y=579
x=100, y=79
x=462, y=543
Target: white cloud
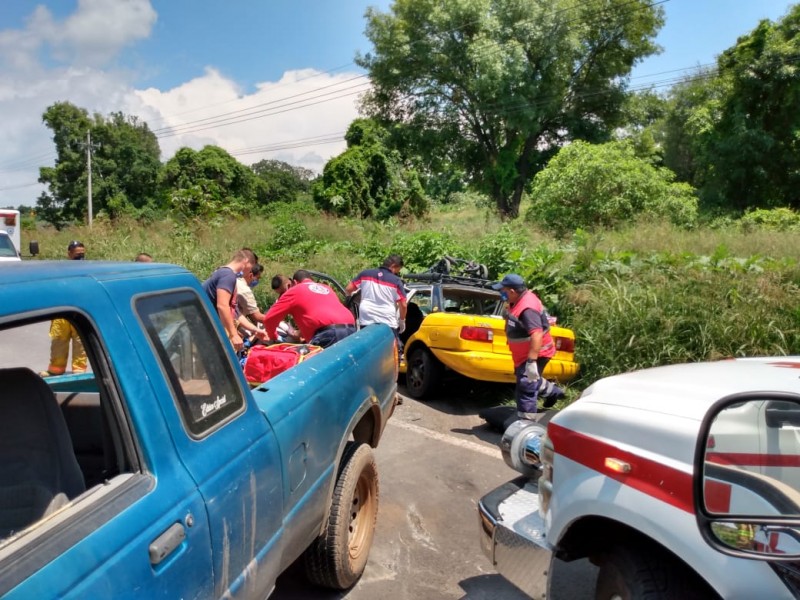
x=306, y=109
x=95, y=33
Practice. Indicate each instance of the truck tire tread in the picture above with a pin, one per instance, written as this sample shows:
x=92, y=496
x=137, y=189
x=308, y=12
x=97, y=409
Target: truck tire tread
x=334, y=560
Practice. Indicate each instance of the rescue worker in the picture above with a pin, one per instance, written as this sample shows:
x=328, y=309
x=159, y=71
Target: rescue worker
x=321, y=318
x=383, y=295
x=531, y=345
x=63, y=333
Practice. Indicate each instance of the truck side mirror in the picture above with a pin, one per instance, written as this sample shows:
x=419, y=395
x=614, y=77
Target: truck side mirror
x=747, y=476
x=33, y=248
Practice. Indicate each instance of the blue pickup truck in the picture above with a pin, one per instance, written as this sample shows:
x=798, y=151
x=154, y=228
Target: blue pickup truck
x=157, y=472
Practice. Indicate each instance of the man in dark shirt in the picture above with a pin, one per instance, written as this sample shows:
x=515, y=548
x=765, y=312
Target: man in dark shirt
x=221, y=290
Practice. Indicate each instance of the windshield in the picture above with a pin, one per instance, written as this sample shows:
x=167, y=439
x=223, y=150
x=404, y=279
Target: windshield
x=7, y=249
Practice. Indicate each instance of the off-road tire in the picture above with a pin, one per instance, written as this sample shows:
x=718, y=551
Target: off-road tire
x=644, y=572
x=423, y=372
x=336, y=559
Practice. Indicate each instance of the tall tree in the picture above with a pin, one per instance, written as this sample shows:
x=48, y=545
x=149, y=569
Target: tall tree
x=735, y=132
x=369, y=179
x=280, y=181
x=125, y=164
x=207, y=182
x=502, y=84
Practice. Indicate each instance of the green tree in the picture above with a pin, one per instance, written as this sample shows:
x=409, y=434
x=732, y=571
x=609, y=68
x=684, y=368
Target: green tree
x=66, y=199
x=207, y=182
x=369, y=179
x=589, y=186
x=280, y=181
x=500, y=85
x=125, y=164
x=734, y=133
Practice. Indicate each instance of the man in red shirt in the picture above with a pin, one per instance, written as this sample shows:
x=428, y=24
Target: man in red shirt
x=321, y=318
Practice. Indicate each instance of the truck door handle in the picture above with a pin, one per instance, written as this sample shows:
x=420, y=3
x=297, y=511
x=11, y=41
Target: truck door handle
x=163, y=545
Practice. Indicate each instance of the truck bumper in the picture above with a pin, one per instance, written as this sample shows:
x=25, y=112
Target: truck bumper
x=512, y=535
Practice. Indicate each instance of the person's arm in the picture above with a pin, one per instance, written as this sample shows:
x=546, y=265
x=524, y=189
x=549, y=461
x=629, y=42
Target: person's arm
x=276, y=313
x=224, y=311
x=402, y=306
x=351, y=287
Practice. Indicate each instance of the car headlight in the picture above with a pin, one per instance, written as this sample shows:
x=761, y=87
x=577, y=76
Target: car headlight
x=521, y=446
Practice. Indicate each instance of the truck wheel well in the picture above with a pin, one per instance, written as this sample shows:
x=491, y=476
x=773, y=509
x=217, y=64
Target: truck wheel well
x=366, y=430
x=592, y=536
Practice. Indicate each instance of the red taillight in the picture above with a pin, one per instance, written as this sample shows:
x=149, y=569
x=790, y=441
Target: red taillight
x=477, y=334
x=11, y=220
x=565, y=344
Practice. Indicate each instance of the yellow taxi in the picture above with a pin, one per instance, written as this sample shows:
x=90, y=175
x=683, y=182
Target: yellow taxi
x=457, y=323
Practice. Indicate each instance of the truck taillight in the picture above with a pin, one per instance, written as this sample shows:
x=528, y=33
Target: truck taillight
x=10, y=220
x=477, y=334
x=565, y=344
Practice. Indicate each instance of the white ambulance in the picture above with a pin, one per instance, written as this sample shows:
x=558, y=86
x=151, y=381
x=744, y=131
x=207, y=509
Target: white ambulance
x=9, y=235
x=678, y=482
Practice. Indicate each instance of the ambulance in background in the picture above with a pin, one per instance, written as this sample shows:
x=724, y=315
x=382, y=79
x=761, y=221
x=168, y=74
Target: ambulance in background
x=9, y=234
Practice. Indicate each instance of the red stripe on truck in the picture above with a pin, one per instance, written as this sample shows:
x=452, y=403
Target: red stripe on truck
x=663, y=483
x=746, y=459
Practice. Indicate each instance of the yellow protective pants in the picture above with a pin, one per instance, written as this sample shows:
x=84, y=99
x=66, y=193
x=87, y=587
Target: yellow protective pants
x=62, y=332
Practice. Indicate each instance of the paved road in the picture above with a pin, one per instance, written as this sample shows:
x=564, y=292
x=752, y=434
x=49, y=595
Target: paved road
x=436, y=460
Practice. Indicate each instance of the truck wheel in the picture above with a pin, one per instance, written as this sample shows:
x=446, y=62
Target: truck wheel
x=336, y=559
x=643, y=572
x=422, y=373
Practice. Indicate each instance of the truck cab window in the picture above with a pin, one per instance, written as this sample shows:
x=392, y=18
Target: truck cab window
x=203, y=383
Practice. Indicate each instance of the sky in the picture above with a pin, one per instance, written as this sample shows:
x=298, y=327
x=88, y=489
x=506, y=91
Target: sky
x=264, y=79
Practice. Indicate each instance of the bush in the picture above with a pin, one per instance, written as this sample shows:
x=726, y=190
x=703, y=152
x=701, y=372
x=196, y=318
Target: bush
x=775, y=219
x=589, y=186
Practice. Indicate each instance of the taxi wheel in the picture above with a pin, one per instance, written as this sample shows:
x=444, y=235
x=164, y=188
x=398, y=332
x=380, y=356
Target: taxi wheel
x=423, y=372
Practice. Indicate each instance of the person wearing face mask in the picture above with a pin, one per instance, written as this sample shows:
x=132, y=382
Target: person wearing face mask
x=249, y=314
x=531, y=345
x=63, y=333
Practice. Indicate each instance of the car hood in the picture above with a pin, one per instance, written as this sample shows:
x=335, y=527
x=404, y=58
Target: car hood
x=688, y=390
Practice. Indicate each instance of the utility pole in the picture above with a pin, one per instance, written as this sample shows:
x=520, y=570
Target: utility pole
x=89, y=167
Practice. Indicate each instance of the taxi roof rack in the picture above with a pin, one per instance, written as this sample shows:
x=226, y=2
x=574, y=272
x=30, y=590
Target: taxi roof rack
x=450, y=269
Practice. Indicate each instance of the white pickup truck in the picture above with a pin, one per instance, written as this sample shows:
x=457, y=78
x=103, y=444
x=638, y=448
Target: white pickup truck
x=678, y=482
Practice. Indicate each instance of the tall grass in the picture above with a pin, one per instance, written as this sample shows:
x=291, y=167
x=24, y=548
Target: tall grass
x=649, y=295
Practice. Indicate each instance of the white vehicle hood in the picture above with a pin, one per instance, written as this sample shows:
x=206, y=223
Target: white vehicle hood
x=688, y=390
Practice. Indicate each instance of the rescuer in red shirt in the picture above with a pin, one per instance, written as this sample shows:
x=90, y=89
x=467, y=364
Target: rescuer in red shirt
x=321, y=318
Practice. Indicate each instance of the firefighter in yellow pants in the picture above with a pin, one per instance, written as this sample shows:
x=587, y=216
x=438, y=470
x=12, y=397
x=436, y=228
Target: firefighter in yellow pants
x=62, y=332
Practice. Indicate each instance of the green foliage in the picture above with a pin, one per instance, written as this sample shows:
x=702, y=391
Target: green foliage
x=689, y=314
x=207, y=183
x=278, y=181
x=422, y=250
x=776, y=219
x=601, y=186
x=733, y=134
x=125, y=165
x=495, y=86
x=369, y=179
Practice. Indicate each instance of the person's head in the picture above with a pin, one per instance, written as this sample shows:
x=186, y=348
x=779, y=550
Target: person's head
x=300, y=275
x=280, y=283
x=143, y=257
x=255, y=275
x=76, y=250
x=243, y=261
x=511, y=287
x=394, y=262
